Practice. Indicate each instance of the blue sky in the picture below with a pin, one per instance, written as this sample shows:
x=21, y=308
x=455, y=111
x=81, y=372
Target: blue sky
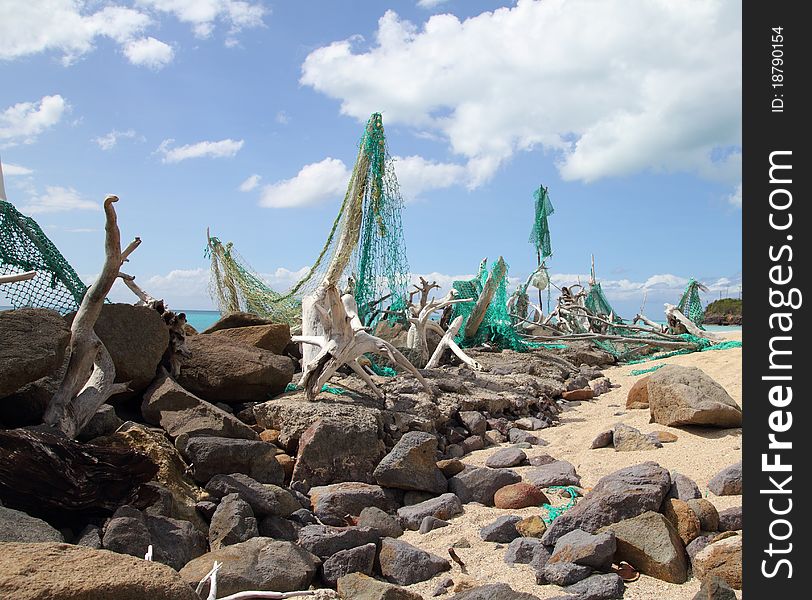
x=243, y=116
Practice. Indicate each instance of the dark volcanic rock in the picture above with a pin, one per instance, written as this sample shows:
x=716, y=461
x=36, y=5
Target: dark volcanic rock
x=355, y=560
x=583, y=548
x=564, y=573
x=273, y=337
x=730, y=519
x=210, y=456
x=412, y=465
x=493, y=591
x=443, y=507
x=233, y=522
x=503, y=530
x=279, y=528
x=480, y=484
x=331, y=503
x=506, y=458
x=358, y=586
x=174, y=542
x=558, y=472
x=521, y=550
x=385, y=524
x=728, y=481
x=683, y=488
x=324, y=541
x=606, y=586
x=264, y=499
x=404, y=564
x=16, y=526
x=432, y=523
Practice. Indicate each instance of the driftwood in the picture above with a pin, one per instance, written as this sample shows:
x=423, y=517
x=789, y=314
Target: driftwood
x=18, y=277
x=448, y=343
x=424, y=289
x=211, y=578
x=421, y=322
x=484, y=300
x=89, y=379
x=66, y=482
x=677, y=319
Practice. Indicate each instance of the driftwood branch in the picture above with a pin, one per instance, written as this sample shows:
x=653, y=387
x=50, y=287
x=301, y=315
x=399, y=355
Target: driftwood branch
x=448, y=343
x=18, y=277
x=421, y=322
x=484, y=300
x=89, y=379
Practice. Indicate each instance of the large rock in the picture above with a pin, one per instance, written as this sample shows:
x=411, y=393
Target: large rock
x=404, y=564
x=220, y=370
x=104, y=422
x=601, y=586
x=652, y=545
x=237, y=319
x=683, y=487
x=233, y=522
x=34, y=343
x=730, y=519
x=521, y=550
x=136, y=337
x=443, y=507
x=714, y=588
x=260, y=564
x=505, y=458
x=623, y=494
x=210, y=456
x=502, y=530
x=638, y=394
x=722, y=559
x=519, y=495
x=687, y=396
x=127, y=533
x=728, y=481
x=629, y=439
x=274, y=337
x=171, y=467
x=331, y=503
x=558, y=472
x=332, y=452
x=264, y=499
x=480, y=484
x=583, y=548
x=385, y=524
x=563, y=573
x=67, y=572
x=360, y=559
x=684, y=520
x=324, y=541
x=706, y=513
x=292, y=414
x=493, y=591
x=16, y=526
x=357, y=586
x=412, y=465
x=180, y=412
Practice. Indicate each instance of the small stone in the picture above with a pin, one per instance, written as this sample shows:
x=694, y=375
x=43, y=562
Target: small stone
x=450, y=467
x=559, y=472
x=730, y=519
x=517, y=435
x=494, y=437
x=506, y=458
x=502, y=530
x=519, y=495
x=442, y=587
x=581, y=394
x=683, y=488
x=523, y=445
x=461, y=543
x=565, y=573
x=541, y=459
x=664, y=437
x=602, y=440
x=728, y=481
x=629, y=439
x=531, y=527
x=706, y=513
x=431, y=523
x=521, y=550
x=442, y=507
x=472, y=444
x=530, y=423
x=474, y=422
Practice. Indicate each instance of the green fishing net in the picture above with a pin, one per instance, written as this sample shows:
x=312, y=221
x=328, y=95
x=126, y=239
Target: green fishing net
x=540, y=234
x=24, y=247
x=690, y=304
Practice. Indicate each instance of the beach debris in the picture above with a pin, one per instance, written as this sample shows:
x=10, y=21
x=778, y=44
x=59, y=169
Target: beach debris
x=455, y=557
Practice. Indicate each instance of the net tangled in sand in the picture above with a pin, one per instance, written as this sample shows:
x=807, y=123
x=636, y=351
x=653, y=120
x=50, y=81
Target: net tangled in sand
x=24, y=247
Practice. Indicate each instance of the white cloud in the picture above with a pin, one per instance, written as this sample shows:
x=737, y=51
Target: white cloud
x=69, y=27
x=314, y=183
x=221, y=149
x=202, y=15
x=250, y=184
x=282, y=117
x=149, y=52
x=10, y=169
x=611, y=87
x=58, y=199
x=24, y=121
x=416, y=175
x=109, y=140
x=735, y=198
x=429, y=4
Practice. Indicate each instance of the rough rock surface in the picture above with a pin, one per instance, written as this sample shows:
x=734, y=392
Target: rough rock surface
x=706, y=513
x=34, y=343
x=404, y=564
x=383, y=523
x=233, y=522
x=179, y=412
x=684, y=520
x=493, y=591
x=220, y=370
x=16, y=526
x=687, y=396
x=605, y=586
x=412, y=465
x=264, y=499
x=331, y=503
x=583, y=548
x=558, y=472
x=506, y=458
x=638, y=394
x=714, y=588
x=362, y=587
x=69, y=572
x=683, y=488
x=521, y=550
x=480, y=484
x=652, y=545
x=324, y=541
x=730, y=519
x=210, y=456
x=629, y=439
x=443, y=507
x=722, y=559
x=502, y=530
x=273, y=337
x=519, y=495
x=360, y=559
x=728, y=481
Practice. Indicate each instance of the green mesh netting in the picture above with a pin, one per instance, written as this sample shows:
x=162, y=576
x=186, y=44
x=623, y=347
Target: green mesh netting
x=378, y=266
x=644, y=371
x=24, y=247
x=553, y=512
x=598, y=305
x=690, y=304
x=540, y=234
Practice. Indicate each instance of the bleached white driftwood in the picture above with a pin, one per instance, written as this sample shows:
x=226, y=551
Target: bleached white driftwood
x=421, y=323
x=18, y=277
x=148, y=555
x=448, y=343
x=211, y=577
x=79, y=397
x=674, y=315
x=485, y=297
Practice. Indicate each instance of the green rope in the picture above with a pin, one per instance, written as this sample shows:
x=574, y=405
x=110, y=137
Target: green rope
x=292, y=387
x=382, y=371
x=553, y=512
x=644, y=371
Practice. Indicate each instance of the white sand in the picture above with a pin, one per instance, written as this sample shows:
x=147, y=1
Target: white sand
x=698, y=453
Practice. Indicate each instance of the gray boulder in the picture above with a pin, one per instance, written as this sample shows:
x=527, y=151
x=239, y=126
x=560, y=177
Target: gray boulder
x=683, y=488
x=264, y=499
x=360, y=559
x=521, y=550
x=233, y=522
x=480, y=484
x=404, y=564
x=502, y=530
x=493, y=591
x=210, y=456
x=601, y=586
x=558, y=472
x=385, y=524
x=331, y=503
x=728, y=481
x=583, y=548
x=443, y=507
x=630, y=439
x=412, y=465
x=324, y=541
x=506, y=458
x=16, y=526
x=687, y=396
x=564, y=573
x=730, y=519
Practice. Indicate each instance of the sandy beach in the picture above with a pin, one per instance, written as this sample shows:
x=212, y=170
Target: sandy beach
x=698, y=453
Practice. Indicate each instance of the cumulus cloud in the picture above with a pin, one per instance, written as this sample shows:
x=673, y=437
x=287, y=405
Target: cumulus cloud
x=314, y=183
x=610, y=87
x=58, y=199
x=109, y=140
x=417, y=175
x=203, y=15
x=429, y=4
x=149, y=52
x=24, y=121
x=221, y=149
x=250, y=183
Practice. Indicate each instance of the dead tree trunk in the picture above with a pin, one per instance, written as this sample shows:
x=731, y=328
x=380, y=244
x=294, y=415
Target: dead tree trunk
x=89, y=379
x=484, y=300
